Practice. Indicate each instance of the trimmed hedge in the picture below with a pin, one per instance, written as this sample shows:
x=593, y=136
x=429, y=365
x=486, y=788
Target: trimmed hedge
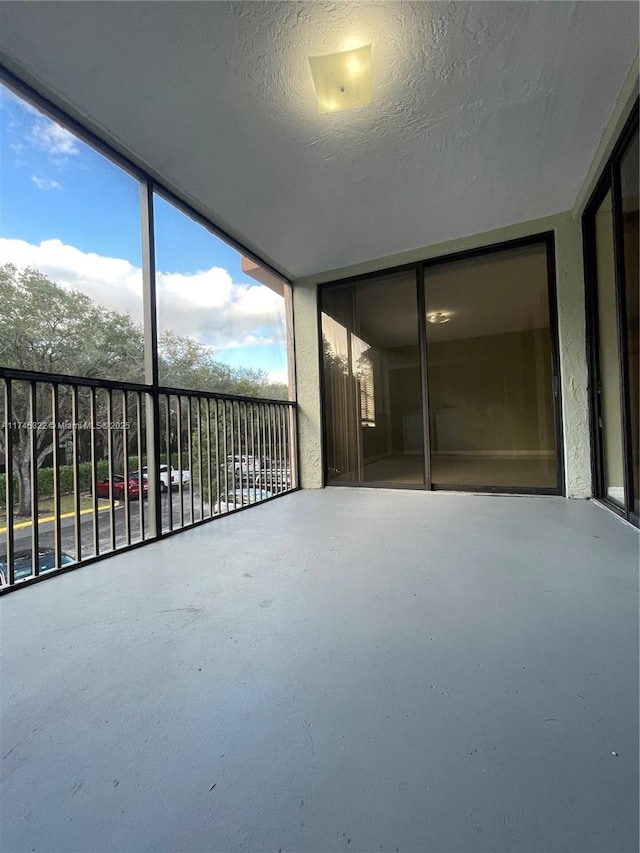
x=65, y=474
x=45, y=476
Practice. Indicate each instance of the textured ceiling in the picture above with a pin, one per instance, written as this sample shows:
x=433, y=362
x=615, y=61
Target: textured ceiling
x=484, y=114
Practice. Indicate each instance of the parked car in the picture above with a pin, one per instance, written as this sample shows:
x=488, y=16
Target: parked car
x=274, y=477
x=240, y=497
x=169, y=477
x=23, y=563
x=243, y=466
x=259, y=471
x=103, y=489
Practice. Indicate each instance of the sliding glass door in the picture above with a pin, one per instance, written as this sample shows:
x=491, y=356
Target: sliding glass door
x=610, y=228
x=374, y=422
x=490, y=372
x=629, y=193
x=444, y=375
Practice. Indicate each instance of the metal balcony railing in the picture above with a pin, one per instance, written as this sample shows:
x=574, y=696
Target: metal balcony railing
x=92, y=466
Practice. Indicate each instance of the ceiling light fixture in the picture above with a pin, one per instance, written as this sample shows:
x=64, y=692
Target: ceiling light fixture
x=342, y=80
x=438, y=317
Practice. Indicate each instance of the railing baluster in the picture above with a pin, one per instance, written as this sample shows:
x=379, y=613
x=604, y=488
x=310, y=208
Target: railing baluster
x=285, y=447
x=274, y=485
x=179, y=460
x=143, y=491
x=233, y=450
x=77, y=518
x=243, y=407
x=112, y=512
x=94, y=471
x=207, y=403
x=217, y=434
x=55, y=416
x=287, y=467
x=236, y=407
x=283, y=473
x=293, y=446
x=125, y=469
x=263, y=449
x=254, y=485
x=168, y=451
x=35, y=498
x=200, y=483
x=258, y=446
x=276, y=441
x=276, y=446
x=190, y=452
x=8, y=467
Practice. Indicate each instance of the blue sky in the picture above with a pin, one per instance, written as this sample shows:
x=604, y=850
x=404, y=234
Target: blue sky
x=70, y=212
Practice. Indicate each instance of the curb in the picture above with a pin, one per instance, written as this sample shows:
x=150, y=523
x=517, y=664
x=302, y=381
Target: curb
x=47, y=518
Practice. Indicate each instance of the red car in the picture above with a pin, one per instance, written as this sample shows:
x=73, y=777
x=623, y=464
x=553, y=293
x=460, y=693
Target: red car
x=103, y=490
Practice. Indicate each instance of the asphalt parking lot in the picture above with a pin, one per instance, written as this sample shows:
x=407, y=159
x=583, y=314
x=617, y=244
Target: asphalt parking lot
x=23, y=530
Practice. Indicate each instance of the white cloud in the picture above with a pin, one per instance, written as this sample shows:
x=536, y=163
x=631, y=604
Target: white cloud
x=32, y=133
x=281, y=375
x=207, y=305
x=111, y=282
x=52, y=138
x=45, y=183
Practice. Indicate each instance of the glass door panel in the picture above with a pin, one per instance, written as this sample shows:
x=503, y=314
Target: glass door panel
x=490, y=372
x=374, y=419
x=609, y=397
x=630, y=191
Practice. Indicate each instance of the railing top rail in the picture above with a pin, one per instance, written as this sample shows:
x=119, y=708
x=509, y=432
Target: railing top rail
x=17, y=374
x=64, y=379
x=215, y=395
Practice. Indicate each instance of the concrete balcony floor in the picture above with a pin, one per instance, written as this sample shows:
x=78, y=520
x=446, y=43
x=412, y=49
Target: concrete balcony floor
x=337, y=670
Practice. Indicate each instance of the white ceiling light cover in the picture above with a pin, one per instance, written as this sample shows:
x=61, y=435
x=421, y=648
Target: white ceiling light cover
x=342, y=80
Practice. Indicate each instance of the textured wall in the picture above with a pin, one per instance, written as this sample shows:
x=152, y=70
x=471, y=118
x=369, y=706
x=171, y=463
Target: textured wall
x=571, y=326
x=305, y=316
x=573, y=362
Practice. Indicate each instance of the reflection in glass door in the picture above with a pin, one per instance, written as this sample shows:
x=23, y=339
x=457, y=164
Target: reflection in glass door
x=490, y=372
x=630, y=192
x=608, y=387
x=374, y=423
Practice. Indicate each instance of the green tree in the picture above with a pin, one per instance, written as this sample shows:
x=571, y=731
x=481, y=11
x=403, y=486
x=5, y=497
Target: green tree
x=47, y=328
x=186, y=363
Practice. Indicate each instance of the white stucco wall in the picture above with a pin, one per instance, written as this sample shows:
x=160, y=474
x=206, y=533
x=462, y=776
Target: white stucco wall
x=306, y=341
x=571, y=327
x=573, y=356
